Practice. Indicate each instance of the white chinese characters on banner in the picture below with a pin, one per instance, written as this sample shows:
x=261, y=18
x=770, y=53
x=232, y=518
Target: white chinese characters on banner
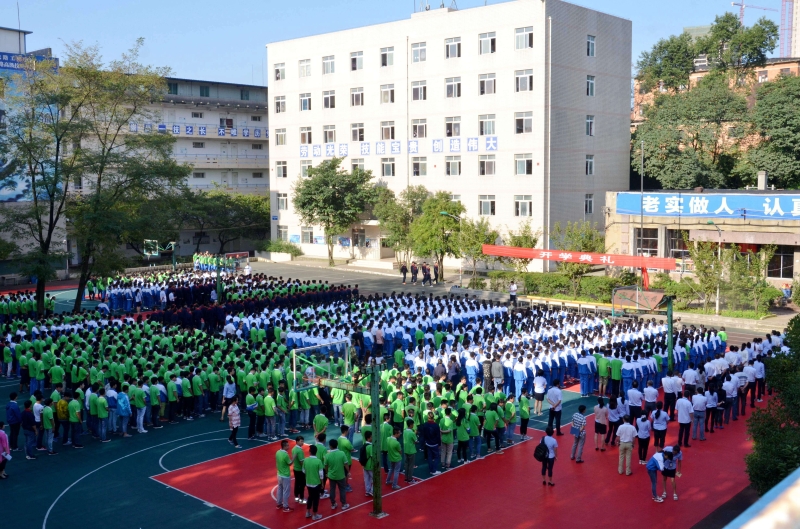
x=330, y=150
x=304, y=151
x=724, y=207
x=650, y=204
x=364, y=149
x=472, y=144
x=233, y=132
x=774, y=209
x=673, y=205
x=698, y=205
x=220, y=131
x=413, y=147
x=133, y=127
x=395, y=147
x=438, y=146
x=491, y=143
x=245, y=133
x=380, y=147
x=189, y=130
x=455, y=144
x=176, y=129
x=343, y=148
x=201, y=131
x=316, y=151
x=257, y=133
x=148, y=127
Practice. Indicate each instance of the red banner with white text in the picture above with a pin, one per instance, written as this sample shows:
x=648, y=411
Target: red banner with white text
x=604, y=259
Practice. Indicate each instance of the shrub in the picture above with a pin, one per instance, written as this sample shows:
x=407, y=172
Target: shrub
x=477, y=283
x=280, y=246
x=796, y=292
x=772, y=295
x=599, y=288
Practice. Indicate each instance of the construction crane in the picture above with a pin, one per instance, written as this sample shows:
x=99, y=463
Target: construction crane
x=742, y=7
x=787, y=21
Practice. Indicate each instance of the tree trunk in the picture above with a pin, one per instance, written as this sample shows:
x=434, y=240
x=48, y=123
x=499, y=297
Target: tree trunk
x=440, y=260
x=41, y=284
x=83, y=279
x=329, y=242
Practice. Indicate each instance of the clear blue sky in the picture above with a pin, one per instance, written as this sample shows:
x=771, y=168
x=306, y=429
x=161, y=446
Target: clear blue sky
x=224, y=40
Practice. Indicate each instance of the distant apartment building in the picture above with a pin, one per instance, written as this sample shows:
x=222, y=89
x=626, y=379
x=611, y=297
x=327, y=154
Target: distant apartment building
x=519, y=109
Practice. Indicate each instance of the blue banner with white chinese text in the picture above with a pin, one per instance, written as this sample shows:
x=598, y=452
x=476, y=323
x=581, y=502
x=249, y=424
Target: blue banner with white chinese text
x=764, y=206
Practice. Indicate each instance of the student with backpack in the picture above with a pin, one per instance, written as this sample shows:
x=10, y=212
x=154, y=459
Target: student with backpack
x=547, y=452
x=366, y=457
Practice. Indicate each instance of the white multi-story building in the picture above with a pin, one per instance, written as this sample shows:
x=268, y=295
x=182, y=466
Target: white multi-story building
x=519, y=109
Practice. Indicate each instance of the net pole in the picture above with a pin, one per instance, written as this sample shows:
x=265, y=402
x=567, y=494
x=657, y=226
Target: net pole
x=294, y=368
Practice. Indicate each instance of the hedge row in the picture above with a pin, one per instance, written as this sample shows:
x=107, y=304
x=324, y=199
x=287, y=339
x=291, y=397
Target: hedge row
x=592, y=288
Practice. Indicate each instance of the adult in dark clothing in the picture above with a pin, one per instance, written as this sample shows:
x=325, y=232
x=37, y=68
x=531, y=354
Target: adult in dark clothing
x=14, y=419
x=431, y=437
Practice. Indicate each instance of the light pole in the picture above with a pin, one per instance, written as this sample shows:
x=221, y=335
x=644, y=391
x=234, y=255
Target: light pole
x=719, y=262
x=460, y=258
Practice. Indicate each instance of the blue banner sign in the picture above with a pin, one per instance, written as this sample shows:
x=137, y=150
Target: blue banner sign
x=764, y=206
x=15, y=61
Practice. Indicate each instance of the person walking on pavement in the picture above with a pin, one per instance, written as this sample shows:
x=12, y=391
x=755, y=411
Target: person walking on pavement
x=579, y=433
x=626, y=433
x=404, y=271
x=554, y=399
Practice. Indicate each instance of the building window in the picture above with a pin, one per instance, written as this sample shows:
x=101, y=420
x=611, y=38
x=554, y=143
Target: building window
x=356, y=97
x=197, y=115
x=590, y=85
x=357, y=131
x=387, y=93
x=305, y=67
x=646, y=241
x=255, y=118
x=419, y=166
x=486, y=165
x=226, y=123
x=387, y=167
x=244, y=95
x=452, y=48
x=281, y=170
x=487, y=41
x=763, y=76
x=418, y=52
x=455, y=198
x=329, y=134
x=258, y=175
x=283, y=201
x=452, y=87
x=524, y=164
x=486, y=205
x=676, y=244
x=452, y=165
x=280, y=136
x=487, y=83
x=198, y=145
x=523, y=122
x=172, y=89
x=387, y=56
x=589, y=164
x=524, y=80
x=257, y=146
x=524, y=37
x=452, y=126
x=305, y=165
x=786, y=72
x=200, y=237
x=205, y=91
x=357, y=164
x=280, y=71
x=387, y=130
x=486, y=125
x=590, y=45
x=419, y=91
x=590, y=125
x=782, y=264
x=307, y=235
x=419, y=128
x=327, y=65
x=280, y=104
x=198, y=175
x=329, y=99
x=283, y=233
x=356, y=61
x=588, y=204
x=305, y=135
x=305, y=102
x=523, y=205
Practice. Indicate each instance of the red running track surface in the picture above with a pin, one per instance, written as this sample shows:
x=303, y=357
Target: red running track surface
x=497, y=491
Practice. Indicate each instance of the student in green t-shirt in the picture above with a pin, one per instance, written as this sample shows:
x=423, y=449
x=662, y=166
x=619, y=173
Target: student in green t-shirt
x=74, y=407
x=524, y=414
x=491, y=430
x=335, y=465
x=395, y=455
x=313, y=472
x=349, y=416
x=297, y=464
x=409, y=450
x=283, y=463
x=474, y=432
x=102, y=415
x=447, y=426
x=47, y=425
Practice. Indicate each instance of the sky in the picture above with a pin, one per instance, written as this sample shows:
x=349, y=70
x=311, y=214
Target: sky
x=225, y=40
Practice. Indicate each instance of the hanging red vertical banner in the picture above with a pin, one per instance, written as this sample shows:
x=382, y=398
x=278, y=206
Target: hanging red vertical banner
x=602, y=259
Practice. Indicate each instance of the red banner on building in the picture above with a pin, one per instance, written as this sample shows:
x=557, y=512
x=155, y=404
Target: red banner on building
x=605, y=259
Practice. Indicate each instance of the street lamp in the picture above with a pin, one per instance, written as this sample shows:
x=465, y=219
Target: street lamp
x=719, y=262
x=460, y=258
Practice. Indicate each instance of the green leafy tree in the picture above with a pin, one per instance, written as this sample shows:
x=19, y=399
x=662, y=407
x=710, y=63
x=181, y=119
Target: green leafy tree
x=576, y=237
x=669, y=63
x=396, y=216
x=238, y=216
x=707, y=268
x=522, y=237
x=776, y=120
x=738, y=50
x=333, y=198
x=775, y=430
x=117, y=167
x=686, y=136
x=436, y=235
x=745, y=277
x=474, y=234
